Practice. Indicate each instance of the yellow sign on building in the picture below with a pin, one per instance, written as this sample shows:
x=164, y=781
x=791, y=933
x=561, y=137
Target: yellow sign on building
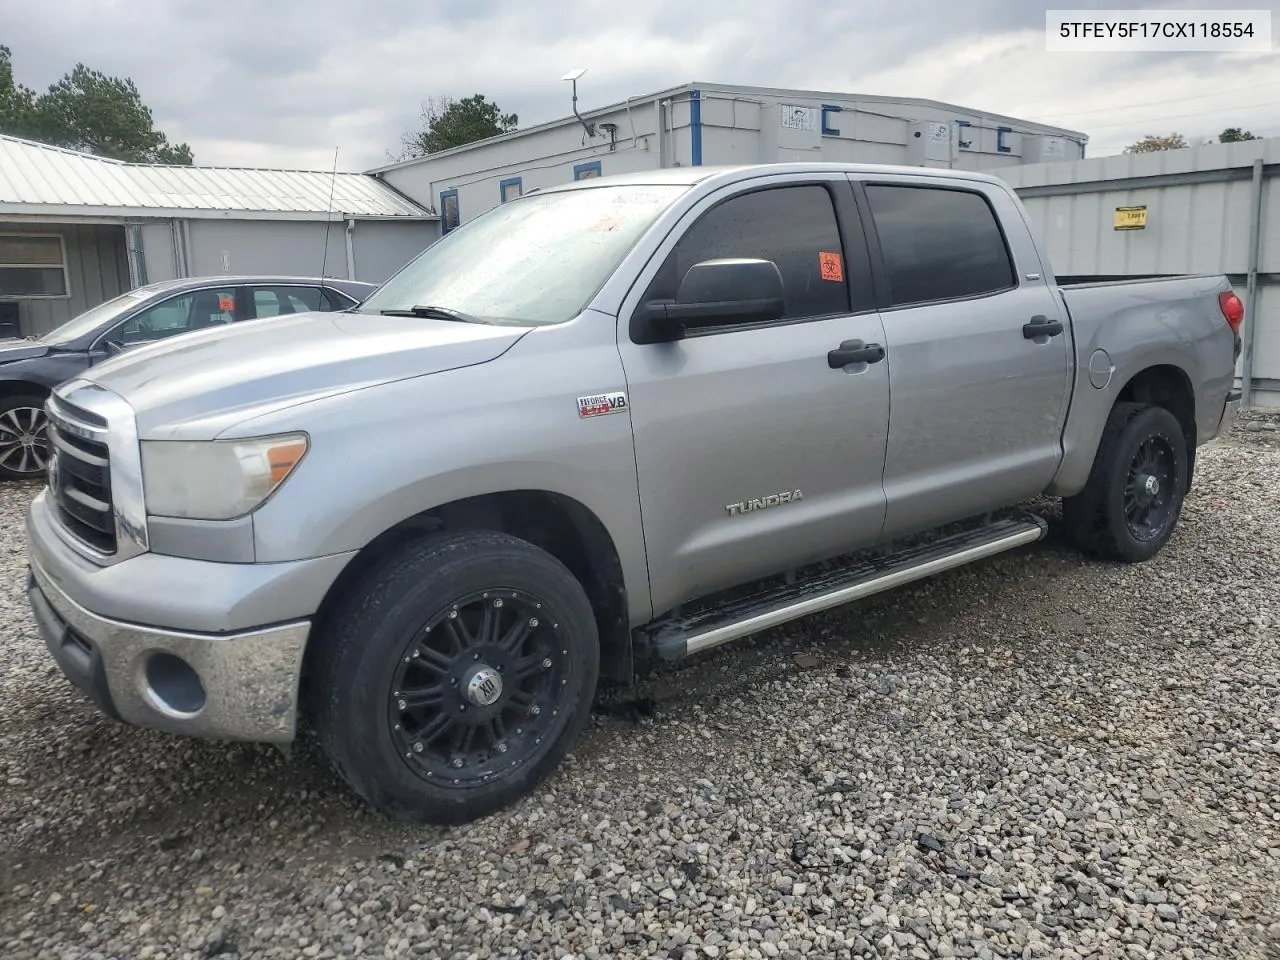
x=1131, y=218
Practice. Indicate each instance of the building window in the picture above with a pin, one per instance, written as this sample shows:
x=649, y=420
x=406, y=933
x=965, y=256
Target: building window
x=510, y=189
x=449, y=216
x=584, y=171
x=33, y=266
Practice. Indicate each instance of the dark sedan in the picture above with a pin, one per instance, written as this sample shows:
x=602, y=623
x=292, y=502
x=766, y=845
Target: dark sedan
x=30, y=368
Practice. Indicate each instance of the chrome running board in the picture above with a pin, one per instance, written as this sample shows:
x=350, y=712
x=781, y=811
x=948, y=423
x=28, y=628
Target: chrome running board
x=673, y=638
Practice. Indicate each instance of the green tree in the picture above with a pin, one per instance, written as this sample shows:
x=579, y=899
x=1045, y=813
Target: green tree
x=447, y=122
x=17, y=103
x=89, y=111
x=1235, y=135
x=1151, y=143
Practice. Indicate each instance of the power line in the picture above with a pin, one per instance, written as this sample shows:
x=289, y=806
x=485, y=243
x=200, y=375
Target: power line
x=1156, y=103
x=1179, y=116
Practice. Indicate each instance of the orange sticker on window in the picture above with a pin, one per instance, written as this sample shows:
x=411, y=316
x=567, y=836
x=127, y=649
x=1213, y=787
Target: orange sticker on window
x=226, y=303
x=832, y=266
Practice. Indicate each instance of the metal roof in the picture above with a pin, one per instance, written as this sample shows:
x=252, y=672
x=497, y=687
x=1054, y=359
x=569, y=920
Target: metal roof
x=39, y=179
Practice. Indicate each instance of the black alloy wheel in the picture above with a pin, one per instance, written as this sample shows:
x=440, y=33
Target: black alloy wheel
x=1133, y=498
x=453, y=675
x=478, y=688
x=1150, y=488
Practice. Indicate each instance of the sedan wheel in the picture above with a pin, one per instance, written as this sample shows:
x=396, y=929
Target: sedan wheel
x=24, y=440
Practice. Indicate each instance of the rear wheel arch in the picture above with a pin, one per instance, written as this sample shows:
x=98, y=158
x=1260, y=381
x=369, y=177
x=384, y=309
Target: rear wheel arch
x=1167, y=386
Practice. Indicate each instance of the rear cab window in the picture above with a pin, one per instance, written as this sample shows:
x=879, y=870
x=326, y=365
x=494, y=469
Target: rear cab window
x=939, y=243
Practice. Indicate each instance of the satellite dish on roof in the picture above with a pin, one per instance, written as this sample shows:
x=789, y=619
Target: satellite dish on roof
x=572, y=76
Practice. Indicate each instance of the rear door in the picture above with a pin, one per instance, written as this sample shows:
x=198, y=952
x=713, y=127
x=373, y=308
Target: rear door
x=979, y=353
x=753, y=453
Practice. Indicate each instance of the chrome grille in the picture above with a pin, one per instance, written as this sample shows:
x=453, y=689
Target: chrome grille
x=79, y=476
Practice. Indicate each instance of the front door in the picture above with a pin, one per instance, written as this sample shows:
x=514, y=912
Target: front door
x=182, y=313
x=978, y=402
x=754, y=454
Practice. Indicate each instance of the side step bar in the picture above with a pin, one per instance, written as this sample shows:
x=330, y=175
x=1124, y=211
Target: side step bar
x=676, y=638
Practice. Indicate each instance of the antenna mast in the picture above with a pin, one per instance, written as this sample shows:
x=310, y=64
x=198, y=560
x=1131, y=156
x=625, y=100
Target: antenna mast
x=328, y=214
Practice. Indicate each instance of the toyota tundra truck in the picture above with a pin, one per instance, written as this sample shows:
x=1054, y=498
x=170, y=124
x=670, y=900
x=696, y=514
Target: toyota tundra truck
x=609, y=424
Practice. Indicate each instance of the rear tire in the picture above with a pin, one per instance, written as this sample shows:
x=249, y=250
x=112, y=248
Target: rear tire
x=1133, y=498
x=455, y=676
x=24, y=438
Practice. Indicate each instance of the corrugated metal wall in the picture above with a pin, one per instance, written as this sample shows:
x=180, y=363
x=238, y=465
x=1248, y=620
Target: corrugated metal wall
x=1200, y=205
x=381, y=247
x=97, y=270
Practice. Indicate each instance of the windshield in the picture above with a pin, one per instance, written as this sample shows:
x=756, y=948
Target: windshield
x=95, y=317
x=536, y=260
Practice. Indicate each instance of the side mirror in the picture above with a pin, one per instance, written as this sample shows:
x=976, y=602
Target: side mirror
x=113, y=347
x=718, y=293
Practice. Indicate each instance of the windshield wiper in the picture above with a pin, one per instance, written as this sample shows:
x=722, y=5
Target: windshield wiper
x=432, y=313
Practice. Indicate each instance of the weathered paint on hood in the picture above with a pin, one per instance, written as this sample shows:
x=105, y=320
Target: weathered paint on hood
x=198, y=384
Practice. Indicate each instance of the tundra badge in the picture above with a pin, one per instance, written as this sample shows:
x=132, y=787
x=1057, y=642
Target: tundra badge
x=602, y=403
x=763, y=503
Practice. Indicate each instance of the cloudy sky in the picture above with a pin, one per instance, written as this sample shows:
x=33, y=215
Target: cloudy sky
x=284, y=82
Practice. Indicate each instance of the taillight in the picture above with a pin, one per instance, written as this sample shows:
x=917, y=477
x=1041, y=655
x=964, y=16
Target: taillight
x=1232, y=310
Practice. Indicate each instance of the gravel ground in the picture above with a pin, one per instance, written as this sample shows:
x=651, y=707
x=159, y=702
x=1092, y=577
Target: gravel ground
x=1040, y=756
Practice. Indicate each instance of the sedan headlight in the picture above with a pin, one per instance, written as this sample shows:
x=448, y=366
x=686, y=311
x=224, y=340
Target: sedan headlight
x=216, y=479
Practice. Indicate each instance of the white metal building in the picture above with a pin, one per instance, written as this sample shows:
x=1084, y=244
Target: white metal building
x=1207, y=209
x=708, y=123
x=76, y=229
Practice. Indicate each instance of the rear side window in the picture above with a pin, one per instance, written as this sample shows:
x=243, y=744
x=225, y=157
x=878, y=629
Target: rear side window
x=795, y=227
x=939, y=244
x=274, y=301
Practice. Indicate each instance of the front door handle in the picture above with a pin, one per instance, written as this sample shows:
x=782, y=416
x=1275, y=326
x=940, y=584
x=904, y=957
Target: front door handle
x=854, y=351
x=1041, y=326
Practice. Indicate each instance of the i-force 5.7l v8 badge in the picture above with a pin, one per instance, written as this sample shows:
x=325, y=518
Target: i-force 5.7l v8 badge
x=602, y=403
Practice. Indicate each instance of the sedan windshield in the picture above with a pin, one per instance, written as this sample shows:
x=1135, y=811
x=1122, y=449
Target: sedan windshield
x=92, y=319
x=536, y=260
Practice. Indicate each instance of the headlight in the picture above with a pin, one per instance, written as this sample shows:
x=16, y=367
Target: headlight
x=216, y=479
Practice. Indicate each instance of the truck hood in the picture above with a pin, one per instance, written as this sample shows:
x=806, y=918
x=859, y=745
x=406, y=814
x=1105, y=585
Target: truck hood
x=12, y=349
x=198, y=384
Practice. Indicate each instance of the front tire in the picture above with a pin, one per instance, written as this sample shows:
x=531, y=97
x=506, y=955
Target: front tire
x=454, y=677
x=1133, y=498
x=24, y=439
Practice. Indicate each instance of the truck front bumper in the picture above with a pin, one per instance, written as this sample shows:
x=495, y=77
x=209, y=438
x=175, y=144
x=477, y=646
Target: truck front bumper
x=232, y=682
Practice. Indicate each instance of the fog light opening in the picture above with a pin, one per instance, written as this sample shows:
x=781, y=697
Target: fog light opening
x=173, y=685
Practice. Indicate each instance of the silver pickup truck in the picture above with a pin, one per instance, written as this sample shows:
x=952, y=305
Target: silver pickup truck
x=617, y=422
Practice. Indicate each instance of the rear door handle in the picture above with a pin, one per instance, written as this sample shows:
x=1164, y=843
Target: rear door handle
x=854, y=351
x=1041, y=326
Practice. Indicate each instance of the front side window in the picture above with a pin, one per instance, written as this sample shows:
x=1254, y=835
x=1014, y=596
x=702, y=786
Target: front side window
x=185, y=313
x=939, y=243
x=795, y=227
x=32, y=267
x=538, y=259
